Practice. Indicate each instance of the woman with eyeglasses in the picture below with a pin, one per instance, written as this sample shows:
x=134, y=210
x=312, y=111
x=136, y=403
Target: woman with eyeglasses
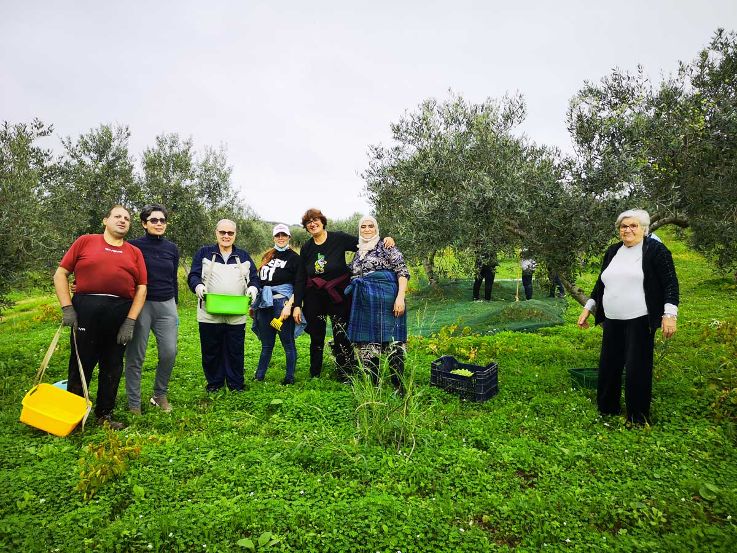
x=159, y=313
x=378, y=324
x=222, y=269
x=277, y=273
x=319, y=291
x=636, y=293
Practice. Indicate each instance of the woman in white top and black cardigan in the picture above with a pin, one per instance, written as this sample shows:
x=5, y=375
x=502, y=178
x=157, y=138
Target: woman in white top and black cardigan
x=635, y=294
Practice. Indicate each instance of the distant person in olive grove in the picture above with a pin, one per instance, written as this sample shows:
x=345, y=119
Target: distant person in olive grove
x=528, y=265
x=636, y=293
x=110, y=276
x=159, y=313
x=378, y=322
x=485, y=270
x=222, y=269
x=319, y=291
x=555, y=284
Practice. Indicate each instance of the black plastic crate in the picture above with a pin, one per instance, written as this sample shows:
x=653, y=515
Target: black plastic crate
x=483, y=385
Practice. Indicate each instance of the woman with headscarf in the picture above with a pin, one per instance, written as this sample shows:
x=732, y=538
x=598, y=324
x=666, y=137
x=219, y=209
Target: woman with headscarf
x=636, y=293
x=378, y=323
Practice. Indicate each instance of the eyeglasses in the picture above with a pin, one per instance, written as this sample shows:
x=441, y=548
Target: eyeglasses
x=226, y=232
x=157, y=220
x=633, y=227
x=315, y=220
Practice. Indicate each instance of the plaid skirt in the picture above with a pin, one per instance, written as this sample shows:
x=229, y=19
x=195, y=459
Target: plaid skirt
x=372, y=311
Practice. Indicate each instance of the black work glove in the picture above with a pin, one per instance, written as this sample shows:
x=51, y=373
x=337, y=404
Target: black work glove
x=125, y=334
x=68, y=316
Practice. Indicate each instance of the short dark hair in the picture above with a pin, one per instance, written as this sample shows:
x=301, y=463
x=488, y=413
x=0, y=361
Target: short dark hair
x=150, y=208
x=116, y=206
x=314, y=213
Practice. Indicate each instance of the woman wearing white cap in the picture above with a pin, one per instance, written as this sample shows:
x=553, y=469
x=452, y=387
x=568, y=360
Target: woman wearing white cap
x=277, y=273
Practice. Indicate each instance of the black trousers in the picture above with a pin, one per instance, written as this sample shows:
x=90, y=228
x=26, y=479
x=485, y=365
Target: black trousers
x=222, y=347
x=556, y=284
x=317, y=306
x=527, y=285
x=626, y=345
x=98, y=321
x=487, y=273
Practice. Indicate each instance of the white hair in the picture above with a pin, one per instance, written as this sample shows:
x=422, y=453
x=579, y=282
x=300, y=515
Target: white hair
x=227, y=221
x=640, y=214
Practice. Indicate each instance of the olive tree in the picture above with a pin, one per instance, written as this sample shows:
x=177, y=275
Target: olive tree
x=448, y=176
x=668, y=148
x=94, y=172
x=25, y=168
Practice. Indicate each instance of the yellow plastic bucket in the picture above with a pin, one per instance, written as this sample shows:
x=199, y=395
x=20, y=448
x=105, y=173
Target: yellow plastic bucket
x=53, y=410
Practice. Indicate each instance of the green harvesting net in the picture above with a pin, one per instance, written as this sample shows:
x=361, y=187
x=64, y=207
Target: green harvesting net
x=449, y=302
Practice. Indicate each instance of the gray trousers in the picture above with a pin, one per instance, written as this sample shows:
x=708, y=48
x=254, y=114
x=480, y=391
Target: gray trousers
x=160, y=317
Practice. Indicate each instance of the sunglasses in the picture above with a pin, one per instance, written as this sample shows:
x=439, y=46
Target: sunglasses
x=226, y=232
x=157, y=220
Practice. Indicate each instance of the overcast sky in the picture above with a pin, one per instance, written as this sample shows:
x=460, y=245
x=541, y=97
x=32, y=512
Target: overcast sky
x=297, y=91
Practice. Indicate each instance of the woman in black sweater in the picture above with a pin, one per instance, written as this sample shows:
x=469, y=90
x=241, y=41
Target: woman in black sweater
x=319, y=291
x=636, y=293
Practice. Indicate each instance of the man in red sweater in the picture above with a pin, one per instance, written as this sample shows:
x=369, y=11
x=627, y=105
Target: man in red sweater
x=111, y=278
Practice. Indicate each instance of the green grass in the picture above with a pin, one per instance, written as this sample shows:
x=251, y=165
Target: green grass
x=533, y=468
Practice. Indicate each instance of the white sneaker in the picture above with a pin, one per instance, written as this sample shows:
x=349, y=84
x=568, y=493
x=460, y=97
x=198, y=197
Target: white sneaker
x=162, y=403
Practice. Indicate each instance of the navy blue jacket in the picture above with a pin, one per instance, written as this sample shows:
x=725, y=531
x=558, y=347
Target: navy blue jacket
x=162, y=261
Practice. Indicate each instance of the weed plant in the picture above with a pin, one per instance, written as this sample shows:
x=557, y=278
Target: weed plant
x=386, y=416
x=293, y=468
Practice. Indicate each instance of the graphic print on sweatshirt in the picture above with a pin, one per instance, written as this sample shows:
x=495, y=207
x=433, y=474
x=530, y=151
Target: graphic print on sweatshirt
x=267, y=271
x=320, y=264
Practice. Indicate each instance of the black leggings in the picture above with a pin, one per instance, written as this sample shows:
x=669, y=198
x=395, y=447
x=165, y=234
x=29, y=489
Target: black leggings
x=317, y=307
x=98, y=321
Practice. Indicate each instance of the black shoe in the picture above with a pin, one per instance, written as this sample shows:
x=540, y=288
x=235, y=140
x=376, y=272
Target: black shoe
x=287, y=382
x=108, y=419
x=259, y=378
x=213, y=389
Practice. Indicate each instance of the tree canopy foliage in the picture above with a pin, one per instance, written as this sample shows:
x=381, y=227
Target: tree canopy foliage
x=669, y=148
x=25, y=169
x=49, y=201
x=461, y=174
x=458, y=175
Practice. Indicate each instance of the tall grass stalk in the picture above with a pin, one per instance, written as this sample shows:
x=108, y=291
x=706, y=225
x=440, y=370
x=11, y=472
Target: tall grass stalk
x=384, y=416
